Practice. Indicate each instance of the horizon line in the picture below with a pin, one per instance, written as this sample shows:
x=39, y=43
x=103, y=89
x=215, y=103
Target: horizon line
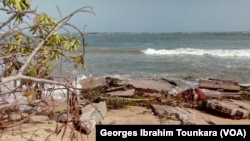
x=168, y=32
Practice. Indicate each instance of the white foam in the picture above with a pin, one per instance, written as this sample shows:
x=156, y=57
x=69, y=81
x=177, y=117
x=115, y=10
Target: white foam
x=199, y=52
x=60, y=92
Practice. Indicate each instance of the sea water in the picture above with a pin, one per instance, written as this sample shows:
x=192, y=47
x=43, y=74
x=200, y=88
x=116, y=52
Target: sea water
x=222, y=55
x=176, y=56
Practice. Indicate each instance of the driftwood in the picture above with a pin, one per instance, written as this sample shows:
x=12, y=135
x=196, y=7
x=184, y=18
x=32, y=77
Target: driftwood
x=219, y=85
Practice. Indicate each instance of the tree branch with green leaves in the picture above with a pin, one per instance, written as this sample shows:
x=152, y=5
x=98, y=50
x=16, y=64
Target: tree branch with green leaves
x=31, y=47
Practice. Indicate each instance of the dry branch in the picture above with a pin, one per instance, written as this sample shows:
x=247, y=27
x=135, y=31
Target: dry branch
x=28, y=60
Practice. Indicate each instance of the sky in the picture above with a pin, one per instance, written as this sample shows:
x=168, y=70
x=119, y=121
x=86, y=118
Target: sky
x=154, y=15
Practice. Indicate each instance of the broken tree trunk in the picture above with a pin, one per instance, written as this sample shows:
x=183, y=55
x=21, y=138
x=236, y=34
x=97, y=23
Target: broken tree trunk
x=219, y=85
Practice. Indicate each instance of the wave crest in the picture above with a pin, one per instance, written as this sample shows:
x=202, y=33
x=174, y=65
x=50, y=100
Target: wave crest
x=199, y=52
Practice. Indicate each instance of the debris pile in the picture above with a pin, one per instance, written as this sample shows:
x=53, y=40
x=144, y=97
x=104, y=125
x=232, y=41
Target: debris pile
x=219, y=97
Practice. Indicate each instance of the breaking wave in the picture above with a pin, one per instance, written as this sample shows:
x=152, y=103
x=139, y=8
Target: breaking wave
x=199, y=52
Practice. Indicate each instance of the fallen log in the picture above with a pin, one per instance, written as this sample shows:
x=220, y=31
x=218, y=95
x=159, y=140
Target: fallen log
x=219, y=85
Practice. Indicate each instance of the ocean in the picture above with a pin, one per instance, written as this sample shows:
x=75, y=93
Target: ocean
x=222, y=55
x=173, y=56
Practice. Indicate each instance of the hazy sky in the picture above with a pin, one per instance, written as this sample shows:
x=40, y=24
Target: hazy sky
x=155, y=15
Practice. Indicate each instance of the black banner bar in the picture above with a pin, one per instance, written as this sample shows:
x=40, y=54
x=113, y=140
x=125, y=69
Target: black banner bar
x=193, y=132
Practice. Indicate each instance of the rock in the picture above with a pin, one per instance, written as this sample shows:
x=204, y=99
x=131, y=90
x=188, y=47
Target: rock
x=221, y=106
x=192, y=94
x=170, y=81
x=223, y=80
x=156, y=95
x=100, y=111
x=244, y=85
x=241, y=104
x=187, y=95
x=92, y=114
x=219, y=84
x=92, y=82
x=233, y=109
x=118, y=88
x=177, y=89
x=62, y=117
x=182, y=114
x=200, y=95
x=218, y=94
x=125, y=93
x=150, y=84
x=231, y=94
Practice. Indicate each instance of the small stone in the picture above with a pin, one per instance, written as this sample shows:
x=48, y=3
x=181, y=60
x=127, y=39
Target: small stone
x=62, y=117
x=182, y=114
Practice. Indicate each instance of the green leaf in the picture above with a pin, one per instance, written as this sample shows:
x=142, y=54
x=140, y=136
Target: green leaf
x=32, y=72
x=17, y=4
x=78, y=59
x=44, y=62
x=23, y=50
x=49, y=67
x=27, y=40
x=19, y=38
x=84, y=65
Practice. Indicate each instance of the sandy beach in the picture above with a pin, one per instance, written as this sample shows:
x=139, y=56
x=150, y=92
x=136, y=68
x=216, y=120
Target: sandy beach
x=39, y=128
